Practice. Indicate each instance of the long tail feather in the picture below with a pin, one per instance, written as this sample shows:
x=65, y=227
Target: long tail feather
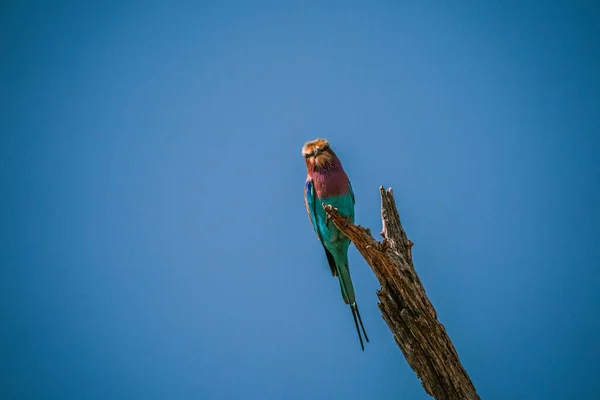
x=354, y=312
x=361, y=324
x=343, y=274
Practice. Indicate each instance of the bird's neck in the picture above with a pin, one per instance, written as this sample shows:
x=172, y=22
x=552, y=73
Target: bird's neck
x=331, y=167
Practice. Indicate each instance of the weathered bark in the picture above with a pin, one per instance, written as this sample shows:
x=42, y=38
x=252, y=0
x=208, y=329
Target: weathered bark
x=405, y=306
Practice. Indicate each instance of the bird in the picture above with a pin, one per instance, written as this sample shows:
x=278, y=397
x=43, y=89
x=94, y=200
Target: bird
x=327, y=182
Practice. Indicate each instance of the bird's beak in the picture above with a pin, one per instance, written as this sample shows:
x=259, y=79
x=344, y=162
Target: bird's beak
x=315, y=151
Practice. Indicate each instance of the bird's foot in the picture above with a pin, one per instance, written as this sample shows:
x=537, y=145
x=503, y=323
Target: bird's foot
x=328, y=217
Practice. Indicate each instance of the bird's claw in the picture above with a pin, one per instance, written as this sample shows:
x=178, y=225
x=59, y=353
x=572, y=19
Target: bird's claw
x=328, y=217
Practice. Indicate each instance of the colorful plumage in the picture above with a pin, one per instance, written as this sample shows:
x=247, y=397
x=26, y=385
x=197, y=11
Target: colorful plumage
x=327, y=183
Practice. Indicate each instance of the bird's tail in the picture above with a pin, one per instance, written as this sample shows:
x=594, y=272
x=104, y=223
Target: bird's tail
x=356, y=315
x=350, y=298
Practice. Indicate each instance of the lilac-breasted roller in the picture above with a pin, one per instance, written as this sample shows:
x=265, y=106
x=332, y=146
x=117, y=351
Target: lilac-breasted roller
x=328, y=183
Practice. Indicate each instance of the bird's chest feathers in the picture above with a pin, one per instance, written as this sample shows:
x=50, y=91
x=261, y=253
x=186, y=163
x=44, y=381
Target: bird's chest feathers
x=330, y=184
x=334, y=190
x=330, y=234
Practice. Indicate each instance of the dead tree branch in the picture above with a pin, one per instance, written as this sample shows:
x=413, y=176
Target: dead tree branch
x=405, y=306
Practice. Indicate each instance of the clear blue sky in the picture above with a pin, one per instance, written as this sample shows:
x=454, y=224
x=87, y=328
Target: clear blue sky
x=153, y=238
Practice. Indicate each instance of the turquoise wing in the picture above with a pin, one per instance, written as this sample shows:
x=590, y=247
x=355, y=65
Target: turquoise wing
x=310, y=202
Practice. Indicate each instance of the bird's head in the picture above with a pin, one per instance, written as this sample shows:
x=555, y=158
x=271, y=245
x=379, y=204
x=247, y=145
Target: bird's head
x=318, y=154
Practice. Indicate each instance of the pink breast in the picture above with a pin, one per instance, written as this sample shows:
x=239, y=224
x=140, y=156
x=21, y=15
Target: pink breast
x=332, y=183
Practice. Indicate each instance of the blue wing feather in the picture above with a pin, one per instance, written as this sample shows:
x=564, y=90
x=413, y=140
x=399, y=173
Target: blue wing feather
x=309, y=198
x=310, y=202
